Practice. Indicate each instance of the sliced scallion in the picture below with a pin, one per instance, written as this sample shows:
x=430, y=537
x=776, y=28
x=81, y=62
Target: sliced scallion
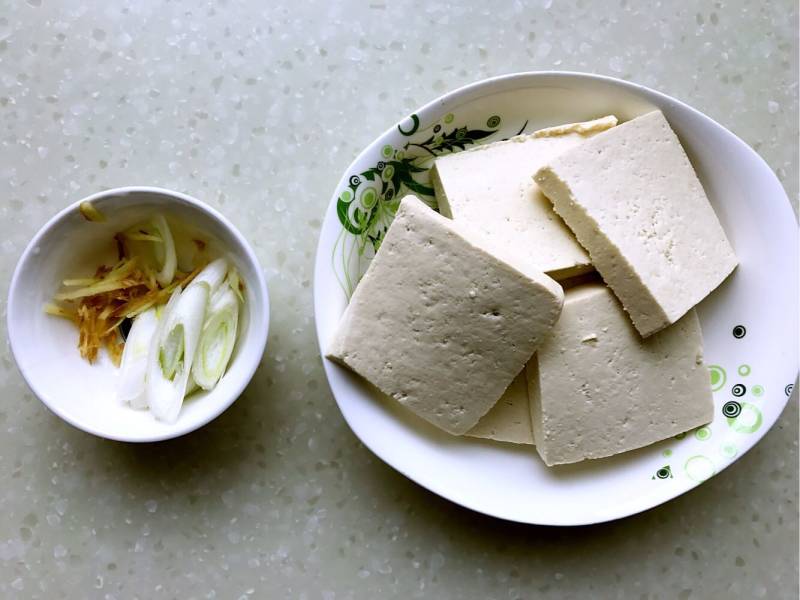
x=165, y=251
x=133, y=369
x=213, y=274
x=172, y=355
x=217, y=339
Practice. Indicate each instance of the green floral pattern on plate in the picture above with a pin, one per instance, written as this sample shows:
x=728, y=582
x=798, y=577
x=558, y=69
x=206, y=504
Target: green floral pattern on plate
x=367, y=205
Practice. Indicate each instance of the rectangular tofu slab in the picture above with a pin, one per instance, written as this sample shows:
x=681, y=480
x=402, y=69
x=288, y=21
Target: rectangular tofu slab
x=634, y=202
x=440, y=324
x=597, y=388
x=492, y=188
x=509, y=420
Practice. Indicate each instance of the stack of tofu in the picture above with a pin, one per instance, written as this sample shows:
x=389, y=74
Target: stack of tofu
x=552, y=300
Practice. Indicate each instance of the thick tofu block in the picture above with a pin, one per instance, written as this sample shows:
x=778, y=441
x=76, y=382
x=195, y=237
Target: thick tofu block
x=597, y=388
x=635, y=203
x=441, y=325
x=492, y=188
x=509, y=420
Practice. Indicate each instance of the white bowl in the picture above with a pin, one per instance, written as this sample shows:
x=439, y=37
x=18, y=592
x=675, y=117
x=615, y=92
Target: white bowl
x=749, y=323
x=45, y=347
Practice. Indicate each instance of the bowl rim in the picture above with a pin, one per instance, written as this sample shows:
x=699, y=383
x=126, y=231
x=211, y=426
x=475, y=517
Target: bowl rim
x=660, y=99
x=253, y=356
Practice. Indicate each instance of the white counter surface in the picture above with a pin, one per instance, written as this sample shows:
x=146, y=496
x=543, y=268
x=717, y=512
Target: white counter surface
x=257, y=108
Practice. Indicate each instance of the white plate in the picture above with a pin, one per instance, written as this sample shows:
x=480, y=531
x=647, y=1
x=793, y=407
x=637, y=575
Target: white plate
x=749, y=323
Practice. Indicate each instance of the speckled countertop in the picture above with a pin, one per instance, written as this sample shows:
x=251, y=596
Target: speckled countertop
x=257, y=108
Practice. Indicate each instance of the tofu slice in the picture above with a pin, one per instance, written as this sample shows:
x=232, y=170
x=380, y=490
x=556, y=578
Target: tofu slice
x=597, y=388
x=634, y=202
x=491, y=187
x=440, y=324
x=509, y=420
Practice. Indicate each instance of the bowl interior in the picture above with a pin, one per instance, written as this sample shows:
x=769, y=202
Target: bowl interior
x=748, y=323
x=45, y=347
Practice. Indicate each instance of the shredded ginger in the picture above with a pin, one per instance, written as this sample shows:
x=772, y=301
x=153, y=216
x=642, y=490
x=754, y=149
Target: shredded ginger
x=98, y=305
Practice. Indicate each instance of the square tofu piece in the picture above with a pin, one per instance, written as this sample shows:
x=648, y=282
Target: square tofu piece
x=597, y=388
x=492, y=188
x=634, y=202
x=440, y=324
x=510, y=419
